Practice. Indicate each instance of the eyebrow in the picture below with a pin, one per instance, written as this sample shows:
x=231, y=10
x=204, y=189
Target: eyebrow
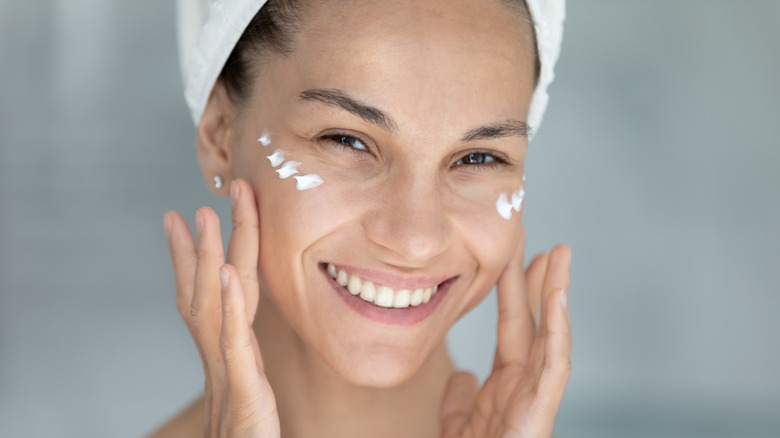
x=509, y=128
x=339, y=99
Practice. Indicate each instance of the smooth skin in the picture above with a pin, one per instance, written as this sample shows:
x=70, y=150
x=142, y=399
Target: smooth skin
x=217, y=301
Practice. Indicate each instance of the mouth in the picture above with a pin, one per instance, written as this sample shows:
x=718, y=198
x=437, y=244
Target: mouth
x=382, y=298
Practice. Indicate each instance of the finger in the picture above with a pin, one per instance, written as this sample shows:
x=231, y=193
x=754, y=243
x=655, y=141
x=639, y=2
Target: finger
x=557, y=351
x=243, y=246
x=515, y=320
x=556, y=277
x=182, y=248
x=535, y=279
x=205, y=309
x=457, y=404
x=249, y=393
x=235, y=342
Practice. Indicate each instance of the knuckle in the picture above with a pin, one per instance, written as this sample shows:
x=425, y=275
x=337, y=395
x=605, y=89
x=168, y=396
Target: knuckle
x=198, y=318
x=561, y=367
x=232, y=350
x=231, y=354
x=236, y=221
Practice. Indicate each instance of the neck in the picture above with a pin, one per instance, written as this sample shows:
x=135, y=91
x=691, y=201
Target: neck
x=315, y=401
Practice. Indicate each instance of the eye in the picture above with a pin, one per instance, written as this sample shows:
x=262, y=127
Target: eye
x=345, y=141
x=479, y=159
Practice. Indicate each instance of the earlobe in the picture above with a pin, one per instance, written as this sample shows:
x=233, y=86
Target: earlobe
x=215, y=139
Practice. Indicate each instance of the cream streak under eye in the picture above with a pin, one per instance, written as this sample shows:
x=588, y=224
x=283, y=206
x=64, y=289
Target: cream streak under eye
x=289, y=168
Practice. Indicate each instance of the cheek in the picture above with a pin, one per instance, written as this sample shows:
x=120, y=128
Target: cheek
x=293, y=221
x=487, y=236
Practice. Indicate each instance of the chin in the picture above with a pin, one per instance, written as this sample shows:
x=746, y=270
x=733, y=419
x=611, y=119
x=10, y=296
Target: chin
x=383, y=370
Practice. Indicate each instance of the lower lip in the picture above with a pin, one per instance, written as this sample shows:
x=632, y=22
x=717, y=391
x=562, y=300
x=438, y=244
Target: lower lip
x=389, y=315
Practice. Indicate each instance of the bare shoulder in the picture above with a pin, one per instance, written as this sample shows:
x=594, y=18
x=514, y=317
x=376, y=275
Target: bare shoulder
x=187, y=424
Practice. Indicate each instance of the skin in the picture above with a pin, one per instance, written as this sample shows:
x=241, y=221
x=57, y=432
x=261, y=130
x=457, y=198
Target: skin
x=403, y=204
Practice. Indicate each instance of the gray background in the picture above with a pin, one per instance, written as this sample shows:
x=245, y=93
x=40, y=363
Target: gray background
x=657, y=163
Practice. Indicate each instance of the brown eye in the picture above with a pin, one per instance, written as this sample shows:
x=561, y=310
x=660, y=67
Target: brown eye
x=347, y=141
x=475, y=158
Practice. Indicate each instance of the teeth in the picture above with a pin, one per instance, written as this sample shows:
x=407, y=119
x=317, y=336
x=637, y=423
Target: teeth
x=354, y=285
x=402, y=298
x=383, y=296
x=416, y=298
x=426, y=295
x=342, y=278
x=367, y=292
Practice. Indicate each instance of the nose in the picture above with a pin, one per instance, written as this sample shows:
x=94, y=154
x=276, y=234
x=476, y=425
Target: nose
x=409, y=221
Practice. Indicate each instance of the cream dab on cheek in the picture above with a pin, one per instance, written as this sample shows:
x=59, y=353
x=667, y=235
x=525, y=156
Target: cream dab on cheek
x=307, y=182
x=506, y=203
x=277, y=158
x=265, y=138
x=289, y=168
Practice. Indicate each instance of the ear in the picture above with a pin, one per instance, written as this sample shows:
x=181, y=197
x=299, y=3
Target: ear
x=216, y=138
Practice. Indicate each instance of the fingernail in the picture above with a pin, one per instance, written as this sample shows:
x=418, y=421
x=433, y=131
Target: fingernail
x=564, y=299
x=234, y=192
x=167, y=224
x=199, y=221
x=223, y=277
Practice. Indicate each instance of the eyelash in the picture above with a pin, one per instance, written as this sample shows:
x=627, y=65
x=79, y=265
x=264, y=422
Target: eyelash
x=339, y=139
x=495, y=162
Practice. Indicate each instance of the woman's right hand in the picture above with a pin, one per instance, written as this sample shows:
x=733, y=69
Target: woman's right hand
x=218, y=302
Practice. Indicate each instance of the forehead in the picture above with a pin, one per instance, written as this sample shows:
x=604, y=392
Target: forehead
x=431, y=64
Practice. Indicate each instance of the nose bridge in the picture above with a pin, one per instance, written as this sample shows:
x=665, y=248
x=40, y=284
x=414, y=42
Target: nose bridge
x=410, y=219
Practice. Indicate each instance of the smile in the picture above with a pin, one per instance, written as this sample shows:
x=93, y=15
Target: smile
x=379, y=295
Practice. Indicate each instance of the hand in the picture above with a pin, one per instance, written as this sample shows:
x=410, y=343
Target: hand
x=531, y=367
x=218, y=303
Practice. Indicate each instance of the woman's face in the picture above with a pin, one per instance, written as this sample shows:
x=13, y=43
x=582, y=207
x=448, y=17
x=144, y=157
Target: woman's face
x=412, y=115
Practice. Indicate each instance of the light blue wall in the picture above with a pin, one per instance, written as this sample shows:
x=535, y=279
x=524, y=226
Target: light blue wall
x=657, y=162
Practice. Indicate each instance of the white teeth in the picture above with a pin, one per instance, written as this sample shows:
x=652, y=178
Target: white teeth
x=355, y=285
x=342, y=278
x=367, y=292
x=402, y=298
x=383, y=296
x=416, y=298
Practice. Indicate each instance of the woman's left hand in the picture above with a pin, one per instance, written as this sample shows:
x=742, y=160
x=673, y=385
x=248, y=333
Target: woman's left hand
x=531, y=367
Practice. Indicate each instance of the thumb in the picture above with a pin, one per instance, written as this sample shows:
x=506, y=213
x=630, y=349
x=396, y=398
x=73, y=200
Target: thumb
x=458, y=403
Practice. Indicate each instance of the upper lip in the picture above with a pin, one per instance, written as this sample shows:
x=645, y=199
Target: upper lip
x=393, y=280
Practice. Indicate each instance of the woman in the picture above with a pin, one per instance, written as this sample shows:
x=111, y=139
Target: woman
x=373, y=153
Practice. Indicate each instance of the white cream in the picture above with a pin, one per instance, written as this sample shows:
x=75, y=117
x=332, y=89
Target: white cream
x=265, y=138
x=307, y=182
x=288, y=169
x=505, y=206
x=517, y=200
x=380, y=295
x=277, y=158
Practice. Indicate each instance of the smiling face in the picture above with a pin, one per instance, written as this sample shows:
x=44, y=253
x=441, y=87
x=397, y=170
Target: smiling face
x=412, y=114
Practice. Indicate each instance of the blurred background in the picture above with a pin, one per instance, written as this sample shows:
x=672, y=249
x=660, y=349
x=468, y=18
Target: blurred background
x=657, y=163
